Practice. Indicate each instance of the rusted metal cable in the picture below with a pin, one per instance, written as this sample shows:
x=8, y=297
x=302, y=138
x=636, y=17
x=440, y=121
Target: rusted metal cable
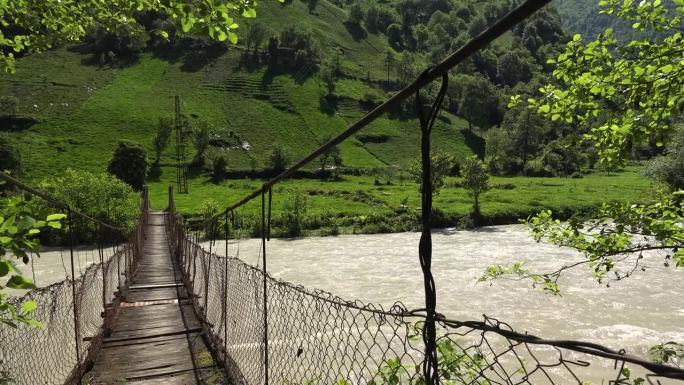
x=430, y=372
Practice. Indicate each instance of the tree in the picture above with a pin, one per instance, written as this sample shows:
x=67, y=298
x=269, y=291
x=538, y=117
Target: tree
x=511, y=69
x=394, y=35
x=201, y=134
x=355, y=14
x=328, y=72
x=390, y=60
x=617, y=94
x=311, y=5
x=441, y=166
x=161, y=138
x=372, y=19
x=129, y=163
x=499, y=151
x=421, y=35
x=475, y=180
x=256, y=34
x=669, y=168
x=10, y=159
x=218, y=168
x=406, y=68
x=526, y=130
x=295, y=208
x=101, y=195
x=478, y=102
x=69, y=21
x=279, y=160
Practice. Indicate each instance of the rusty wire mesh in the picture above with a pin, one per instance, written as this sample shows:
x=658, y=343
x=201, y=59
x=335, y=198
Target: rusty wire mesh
x=317, y=338
x=70, y=311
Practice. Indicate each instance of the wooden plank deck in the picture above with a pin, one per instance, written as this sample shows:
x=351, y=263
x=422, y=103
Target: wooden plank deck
x=156, y=338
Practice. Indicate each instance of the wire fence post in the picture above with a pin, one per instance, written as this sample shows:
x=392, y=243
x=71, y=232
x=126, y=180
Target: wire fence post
x=265, y=293
x=225, y=293
x=430, y=372
x=74, y=296
x=103, y=267
x=211, y=227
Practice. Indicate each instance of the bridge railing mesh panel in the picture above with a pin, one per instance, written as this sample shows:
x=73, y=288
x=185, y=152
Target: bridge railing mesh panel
x=315, y=337
x=71, y=311
x=47, y=354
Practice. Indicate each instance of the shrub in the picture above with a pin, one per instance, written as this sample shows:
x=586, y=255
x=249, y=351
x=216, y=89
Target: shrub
x=295, y=208
x=209, y=208
x=201, y=135
x=218, y=169
x=442, y=166
x=279, y=160
x=129, y=163
x=10, y=159
x=475, y=180
x=669, y=168
x=356, y=14
x=8, y=105
x=161, y=139
x=99, y=195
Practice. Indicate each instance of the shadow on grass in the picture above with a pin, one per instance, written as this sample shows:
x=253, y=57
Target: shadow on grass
x=356, y=31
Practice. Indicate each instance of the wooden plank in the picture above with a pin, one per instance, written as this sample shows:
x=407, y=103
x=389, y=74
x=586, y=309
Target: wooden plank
x=156, y=338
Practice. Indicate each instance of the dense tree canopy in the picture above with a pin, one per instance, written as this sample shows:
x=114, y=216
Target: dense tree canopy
x=618, y=95
x=25, y=27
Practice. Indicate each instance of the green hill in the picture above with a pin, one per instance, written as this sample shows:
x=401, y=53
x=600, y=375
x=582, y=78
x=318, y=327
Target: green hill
x=84, y=109
x=85, y=103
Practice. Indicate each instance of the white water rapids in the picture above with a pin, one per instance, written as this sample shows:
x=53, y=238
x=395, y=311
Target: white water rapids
x=632, y=314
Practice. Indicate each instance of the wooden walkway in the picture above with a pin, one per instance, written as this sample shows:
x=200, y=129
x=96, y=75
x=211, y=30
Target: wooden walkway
x=156, y=338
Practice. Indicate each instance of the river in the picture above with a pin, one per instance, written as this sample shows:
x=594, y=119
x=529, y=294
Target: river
x=632, y=314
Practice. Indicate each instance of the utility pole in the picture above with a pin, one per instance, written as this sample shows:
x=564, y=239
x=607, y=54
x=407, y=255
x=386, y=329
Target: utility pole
x=181, y=165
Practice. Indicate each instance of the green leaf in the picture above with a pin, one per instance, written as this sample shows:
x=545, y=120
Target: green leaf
x=55, y=225
x=19, y=282
x=29, y=307
x=55, y=217
x=6, y=267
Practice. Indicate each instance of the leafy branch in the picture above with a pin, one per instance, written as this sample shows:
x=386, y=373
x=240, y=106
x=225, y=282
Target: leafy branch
x=18, y=237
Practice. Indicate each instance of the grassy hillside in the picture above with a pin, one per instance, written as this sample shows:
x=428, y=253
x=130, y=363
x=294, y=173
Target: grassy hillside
x=83, y=109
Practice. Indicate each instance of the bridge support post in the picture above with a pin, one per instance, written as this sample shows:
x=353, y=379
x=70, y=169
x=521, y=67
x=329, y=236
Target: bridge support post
x=430, y=372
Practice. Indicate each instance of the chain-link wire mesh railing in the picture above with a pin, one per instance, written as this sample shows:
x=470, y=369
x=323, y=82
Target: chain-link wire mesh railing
x=72, y=311
x=315, y=337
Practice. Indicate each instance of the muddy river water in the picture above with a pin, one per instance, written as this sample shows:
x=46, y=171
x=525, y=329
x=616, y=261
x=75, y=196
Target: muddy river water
x=634, y=313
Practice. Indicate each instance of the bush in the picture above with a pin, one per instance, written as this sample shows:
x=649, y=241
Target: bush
x=669, y=168
x=442, y=166
x=161, y=139
x=10, y=158
x=279, y=160
x=475, y=180
x=129, y=163
x=8, y=106
x=209, y=208
x=99, y=195
x=295, y=208
x=218, y=169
